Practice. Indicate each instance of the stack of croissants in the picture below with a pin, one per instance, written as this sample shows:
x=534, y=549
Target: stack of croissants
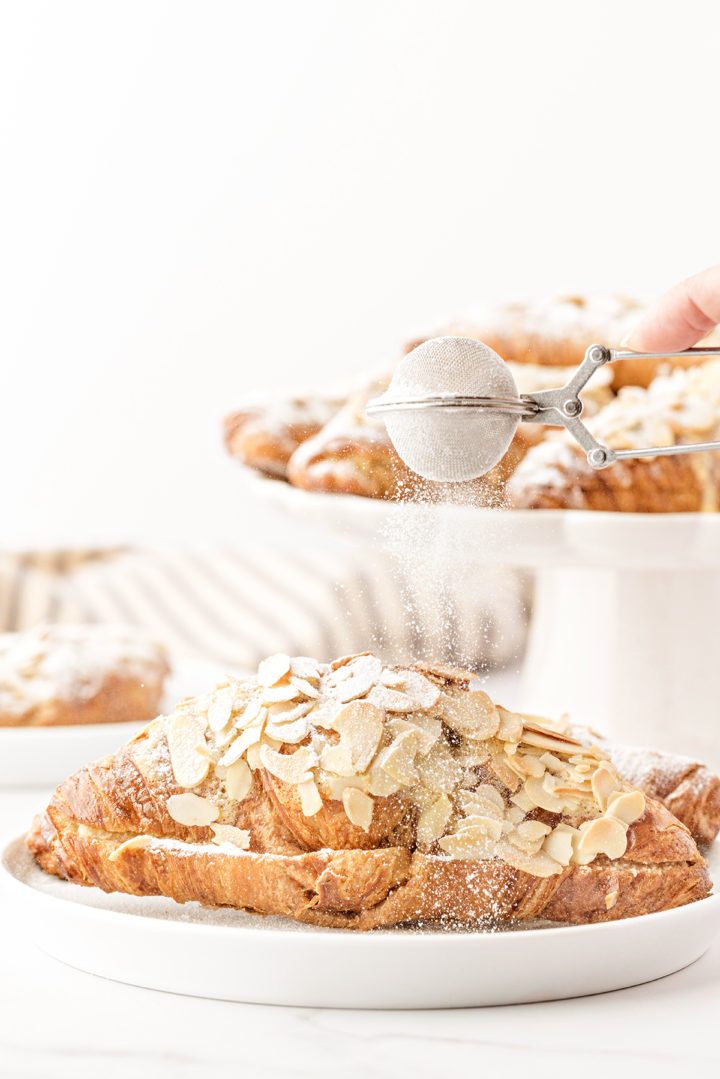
x=326, y=442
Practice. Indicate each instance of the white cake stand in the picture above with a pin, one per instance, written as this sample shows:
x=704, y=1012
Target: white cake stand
x=625, y=632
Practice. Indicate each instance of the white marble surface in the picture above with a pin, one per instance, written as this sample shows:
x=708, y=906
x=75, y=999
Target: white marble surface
x=59, y=1022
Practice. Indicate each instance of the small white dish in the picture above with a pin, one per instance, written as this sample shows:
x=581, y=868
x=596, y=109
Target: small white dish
x=44, y=756
x=228, y=955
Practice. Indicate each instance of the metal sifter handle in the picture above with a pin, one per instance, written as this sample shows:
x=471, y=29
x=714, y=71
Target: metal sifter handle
x=562, y=407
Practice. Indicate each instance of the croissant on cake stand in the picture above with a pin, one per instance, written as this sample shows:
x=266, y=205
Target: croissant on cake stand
x=359, y=795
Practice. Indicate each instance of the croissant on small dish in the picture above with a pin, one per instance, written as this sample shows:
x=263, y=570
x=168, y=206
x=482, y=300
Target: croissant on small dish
x=356, y=795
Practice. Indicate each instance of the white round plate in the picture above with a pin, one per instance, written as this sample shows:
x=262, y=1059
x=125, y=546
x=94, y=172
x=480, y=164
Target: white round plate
x=528, y=538
x=228, y=955
x=44, y=756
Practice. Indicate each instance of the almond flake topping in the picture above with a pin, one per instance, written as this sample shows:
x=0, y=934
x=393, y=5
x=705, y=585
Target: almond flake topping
x=604, y=783
x=273, y=669
x=221, y=708
x=355, y=678
x=627, y=807
x=289, y=767
x=358, y=808
x=290, y=733
x=136, y=843
x=191, y=810
x=249, y=737
x=238, y=780
x=186, y=742
x=281, y=693
x=601, y=836
x=472, y=714
x=360, y=726
x=433, y=820
x=398, y=759
x=227, y=833
x=310, y=800
x=305, y=667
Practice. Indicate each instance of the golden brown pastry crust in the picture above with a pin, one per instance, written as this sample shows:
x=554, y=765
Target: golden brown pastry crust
x=264, y=435
x=689, y=789
x=109, y=826
x=556, y=475
x=67, y=675
x=557, y=332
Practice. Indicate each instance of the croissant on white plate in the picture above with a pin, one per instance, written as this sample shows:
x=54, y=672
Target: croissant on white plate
x=357, y=795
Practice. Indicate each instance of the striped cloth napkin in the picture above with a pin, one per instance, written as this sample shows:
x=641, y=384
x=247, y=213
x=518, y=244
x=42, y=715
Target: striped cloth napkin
x=234, y=606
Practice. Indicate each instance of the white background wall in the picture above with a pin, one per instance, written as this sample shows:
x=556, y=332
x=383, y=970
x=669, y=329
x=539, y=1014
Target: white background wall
x=197, y=198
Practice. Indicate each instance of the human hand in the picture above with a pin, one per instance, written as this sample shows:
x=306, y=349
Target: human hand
x=682, y=317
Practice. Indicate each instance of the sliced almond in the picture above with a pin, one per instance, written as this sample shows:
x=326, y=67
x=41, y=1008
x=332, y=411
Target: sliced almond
x=490, y=794
x=537, y=865
x=559, y=843
x=524, y=764
x=553, y=763
x=306, y=668
x=556, y=743
x=423, y=693
x=602, y=836
x=228, y=833
x=398, y=759
x=354, y=679
x=521, y=800
x=310, y=800
x=290, y=733
x=284, y=692
x=224, y=738
x=247, y=738
x=429, y=731
x=273, y=669
x=420, y=796
x=343, y=661
x=501, y=771
x=627, y=807
x=381, y=783
x=252, y=756
x=186, y=740
x=611, y=899
x=472, y=714
x=514, y=815
x=337, y=760
x=238, y=780
x=335, y=786
x=358, y=807
x=221, y=708
x=136, y=843
x=305, y=687
x=473, y=844
x=289, y=712
x=289, y=767
x=511, y=726
x=538, y=794
x=360, y=726
x=438, y=770
x=192, y=810
x=392, y=700
x=490, y=826
x=433, y=821
x=393, y=679
x=250, y=713
x=605, y=783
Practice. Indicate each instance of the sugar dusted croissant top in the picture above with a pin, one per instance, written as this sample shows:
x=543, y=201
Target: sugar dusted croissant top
x=360, y=795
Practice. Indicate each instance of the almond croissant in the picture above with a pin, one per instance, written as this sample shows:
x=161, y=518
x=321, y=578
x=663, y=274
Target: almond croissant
x=358, y=795
x=681, y=408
